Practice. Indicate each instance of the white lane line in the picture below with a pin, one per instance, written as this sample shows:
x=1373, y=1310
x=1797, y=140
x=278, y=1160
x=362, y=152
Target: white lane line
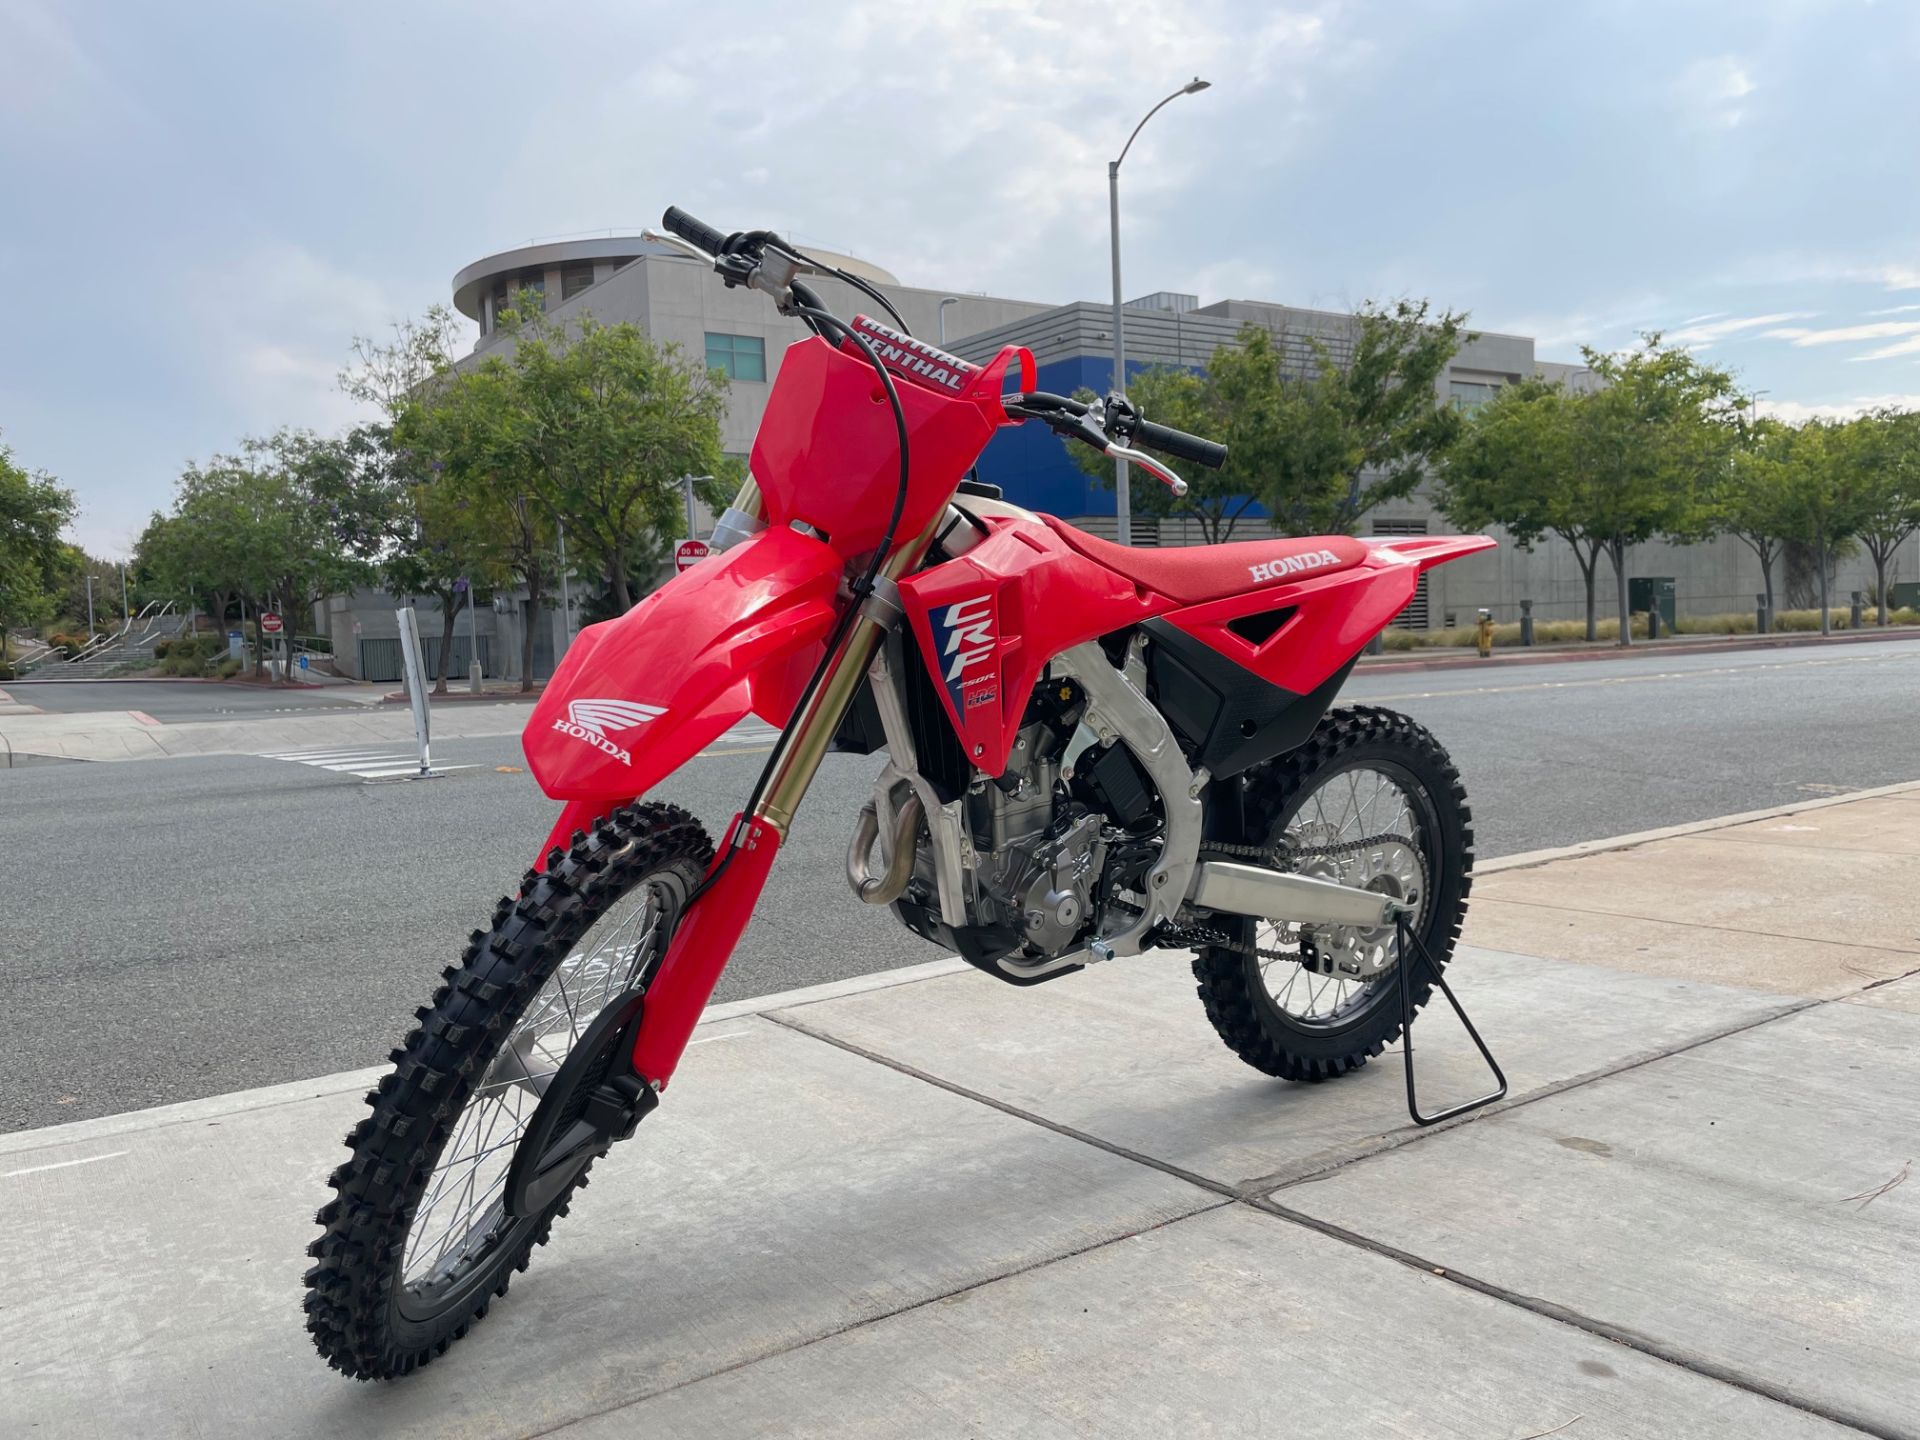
x=67, y=1164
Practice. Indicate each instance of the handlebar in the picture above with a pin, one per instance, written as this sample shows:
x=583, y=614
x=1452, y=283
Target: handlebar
x=1180, y=444
x=695, y=232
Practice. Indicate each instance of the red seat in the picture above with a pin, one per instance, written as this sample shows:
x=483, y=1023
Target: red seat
x=1192, y=574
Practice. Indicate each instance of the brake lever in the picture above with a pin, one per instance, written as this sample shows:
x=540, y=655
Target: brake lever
x=660, y=237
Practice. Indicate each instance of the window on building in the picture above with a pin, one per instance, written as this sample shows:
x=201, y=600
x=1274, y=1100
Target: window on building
x=1469, y=395
x=575, y=278
x=743, y=357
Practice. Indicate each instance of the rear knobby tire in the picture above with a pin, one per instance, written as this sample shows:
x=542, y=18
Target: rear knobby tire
x=1238, y=997
x=365, y=1318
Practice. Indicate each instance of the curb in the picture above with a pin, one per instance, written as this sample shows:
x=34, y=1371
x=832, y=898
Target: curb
x=1641, y=650
x=215, y=1107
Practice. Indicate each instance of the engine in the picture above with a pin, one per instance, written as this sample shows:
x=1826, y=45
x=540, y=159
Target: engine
x=1048, y=847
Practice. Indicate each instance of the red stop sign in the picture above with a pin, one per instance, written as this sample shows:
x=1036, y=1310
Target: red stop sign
x=688, y=553
x=271, y=624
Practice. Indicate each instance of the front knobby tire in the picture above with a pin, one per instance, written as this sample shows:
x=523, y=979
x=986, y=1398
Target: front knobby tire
x=1329, y=1028
x=375, y=1309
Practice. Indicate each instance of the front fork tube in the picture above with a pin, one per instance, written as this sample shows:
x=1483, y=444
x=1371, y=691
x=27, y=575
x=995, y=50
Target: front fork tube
x=713, y=924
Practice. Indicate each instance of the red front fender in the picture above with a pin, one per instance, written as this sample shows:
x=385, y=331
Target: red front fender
x=637, y=697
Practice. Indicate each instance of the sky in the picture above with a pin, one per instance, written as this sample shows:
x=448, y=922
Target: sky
x=201, y=204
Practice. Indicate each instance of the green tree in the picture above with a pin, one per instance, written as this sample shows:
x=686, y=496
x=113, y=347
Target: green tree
x=1515, y=467
x=1826, y=496
x=1319, y=431
x=282, y=524
x=1748, y=498
x=33, y=509
x=1336, y=432
x=1217, y=499
x=1886, y=458
x=431, y=546
x=613, y=422
x=1604, y=469
x=473, y=424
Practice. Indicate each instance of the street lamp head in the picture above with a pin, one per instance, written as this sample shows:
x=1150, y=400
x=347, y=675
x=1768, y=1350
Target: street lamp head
x=1195, y=86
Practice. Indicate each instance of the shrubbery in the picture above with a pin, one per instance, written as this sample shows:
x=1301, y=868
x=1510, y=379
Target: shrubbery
x=193, y=655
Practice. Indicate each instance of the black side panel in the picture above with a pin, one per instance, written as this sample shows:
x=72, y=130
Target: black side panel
x=1228, y=717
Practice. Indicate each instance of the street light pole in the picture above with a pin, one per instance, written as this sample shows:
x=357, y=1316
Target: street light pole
x=90, y=605
x=1123, y=499
x=949, y=300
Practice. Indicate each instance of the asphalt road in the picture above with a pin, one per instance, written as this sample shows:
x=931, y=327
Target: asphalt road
x=177, y=928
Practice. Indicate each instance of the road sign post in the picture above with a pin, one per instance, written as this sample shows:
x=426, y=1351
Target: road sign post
x=689, y=553
x=416, y=684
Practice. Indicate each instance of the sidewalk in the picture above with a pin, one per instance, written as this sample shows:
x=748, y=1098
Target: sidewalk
x=124, y=735
x=923, y=1203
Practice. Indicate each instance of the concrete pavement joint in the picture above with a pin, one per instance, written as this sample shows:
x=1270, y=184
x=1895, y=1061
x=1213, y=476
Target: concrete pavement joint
x=1686, y=1360
x=1267, y=1185
x=776, y=1351
x=1683, y=1359
x=1215, y=1187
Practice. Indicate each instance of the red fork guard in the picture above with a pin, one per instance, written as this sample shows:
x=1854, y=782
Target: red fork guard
x=700, y=947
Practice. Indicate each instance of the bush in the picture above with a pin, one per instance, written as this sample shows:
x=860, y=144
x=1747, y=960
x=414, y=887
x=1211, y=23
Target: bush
x=193, y=655
x=229, y=667
x=6, y=670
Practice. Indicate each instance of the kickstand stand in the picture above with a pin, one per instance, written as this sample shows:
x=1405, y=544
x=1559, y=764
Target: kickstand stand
x=1411, y=944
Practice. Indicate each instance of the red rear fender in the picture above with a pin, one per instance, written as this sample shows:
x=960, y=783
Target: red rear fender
x=637, y=697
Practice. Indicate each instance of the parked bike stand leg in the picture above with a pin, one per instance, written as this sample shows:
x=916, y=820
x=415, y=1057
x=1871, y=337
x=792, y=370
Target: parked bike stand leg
x=1410, y=945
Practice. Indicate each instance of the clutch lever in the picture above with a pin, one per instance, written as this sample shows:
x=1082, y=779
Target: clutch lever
x=1146, y=462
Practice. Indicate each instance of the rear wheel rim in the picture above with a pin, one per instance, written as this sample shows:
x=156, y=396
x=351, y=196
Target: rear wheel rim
x=460, y=1222
x=1371, y=796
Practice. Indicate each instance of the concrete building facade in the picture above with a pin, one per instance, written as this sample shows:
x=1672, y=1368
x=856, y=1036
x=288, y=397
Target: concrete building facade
x=675, y=299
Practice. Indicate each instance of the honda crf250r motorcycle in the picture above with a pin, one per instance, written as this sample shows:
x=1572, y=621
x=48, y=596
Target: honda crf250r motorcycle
x=1091, y=751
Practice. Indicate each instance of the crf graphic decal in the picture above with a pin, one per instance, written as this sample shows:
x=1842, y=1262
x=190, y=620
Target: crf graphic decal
x=966, y=642
x=590, y=720
x=1294, y=564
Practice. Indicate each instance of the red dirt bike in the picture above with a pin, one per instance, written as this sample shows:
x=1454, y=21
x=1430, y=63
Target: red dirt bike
x=1091, y=751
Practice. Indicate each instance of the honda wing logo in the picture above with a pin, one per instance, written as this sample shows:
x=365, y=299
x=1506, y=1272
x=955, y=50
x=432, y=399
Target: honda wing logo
x=590, y=720
x=1293, y=565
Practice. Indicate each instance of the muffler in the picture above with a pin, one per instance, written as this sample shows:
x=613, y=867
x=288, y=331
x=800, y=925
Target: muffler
x=1302, y=899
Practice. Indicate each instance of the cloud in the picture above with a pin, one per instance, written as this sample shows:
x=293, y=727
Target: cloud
x=1715, y=90
x=1896, y=310
x=1794, y=412
x=1698, y=336
x=1908, y=346
x=276, y=324
x=1878, y=330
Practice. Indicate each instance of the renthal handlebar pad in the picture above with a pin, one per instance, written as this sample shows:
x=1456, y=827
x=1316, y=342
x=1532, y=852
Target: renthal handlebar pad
x=694, y=232
x=1180, y=444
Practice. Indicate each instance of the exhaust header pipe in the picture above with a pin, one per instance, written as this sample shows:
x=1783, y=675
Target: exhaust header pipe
x=889, y=887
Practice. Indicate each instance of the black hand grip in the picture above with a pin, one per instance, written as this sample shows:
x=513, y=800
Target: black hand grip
x=1180, y=444
x=694, y=232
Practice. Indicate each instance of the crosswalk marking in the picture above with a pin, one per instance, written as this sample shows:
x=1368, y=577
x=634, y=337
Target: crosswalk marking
x=362, y=764
x=384, y=762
